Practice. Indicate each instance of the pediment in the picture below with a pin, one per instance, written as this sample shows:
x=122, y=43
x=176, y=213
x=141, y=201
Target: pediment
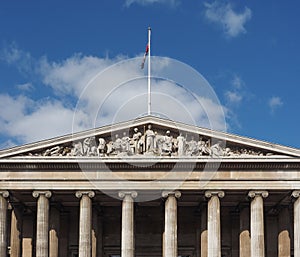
x=150, y=137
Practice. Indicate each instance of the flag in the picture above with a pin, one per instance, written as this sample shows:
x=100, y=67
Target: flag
x=145, y=54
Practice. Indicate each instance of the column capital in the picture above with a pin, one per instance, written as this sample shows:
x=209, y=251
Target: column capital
x=296, y=193
x=122, y=194
x=176, y=193
x=209, y=194
x=253, y=194
x=36, y=194
x=4, y=193
x=90, y=194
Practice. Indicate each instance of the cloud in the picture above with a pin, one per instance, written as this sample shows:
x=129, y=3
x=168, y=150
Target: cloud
x=172, y=3
x=233, y=23
x=22, y=60
x=25, y=87
x=26, y=120
x=274, y=103
x=87, y=91
x=235, y=95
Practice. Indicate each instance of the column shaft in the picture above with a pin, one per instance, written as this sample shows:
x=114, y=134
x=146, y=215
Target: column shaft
x=42, y=223
x=214, y=223
x=170, y=233
x=3, y=225
x=296, y=195
x=127, y=231
x=127, y=227
x=85, y=223
x=257, y=223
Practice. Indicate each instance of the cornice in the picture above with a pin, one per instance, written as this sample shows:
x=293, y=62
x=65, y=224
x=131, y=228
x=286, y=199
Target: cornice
x=150, y=164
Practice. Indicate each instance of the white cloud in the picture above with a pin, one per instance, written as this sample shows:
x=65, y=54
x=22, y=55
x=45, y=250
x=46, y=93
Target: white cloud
x=233, y=23
x=103, y=91
x=22, y=60
x=172, y=3
x=274, y=103
x=25, y=87
x=233, y=97
x=25, y=120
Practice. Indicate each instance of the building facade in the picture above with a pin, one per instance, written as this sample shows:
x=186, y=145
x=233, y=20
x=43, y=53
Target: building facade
x=150, y=187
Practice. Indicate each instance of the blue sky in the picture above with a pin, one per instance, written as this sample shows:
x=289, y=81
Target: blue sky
x=248, y=51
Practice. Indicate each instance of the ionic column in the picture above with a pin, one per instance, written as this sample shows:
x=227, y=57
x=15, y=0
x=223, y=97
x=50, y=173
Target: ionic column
x=85, y=222
x=170, y=233
x=296, y=195
x=257, y=223
x=214, y=223
x=3, y=226
x=245, y=243
x=127, y=233
x=42, y=222
x=54, y=231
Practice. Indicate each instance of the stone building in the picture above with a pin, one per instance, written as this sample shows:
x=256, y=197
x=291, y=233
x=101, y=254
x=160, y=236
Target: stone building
x=150, y=187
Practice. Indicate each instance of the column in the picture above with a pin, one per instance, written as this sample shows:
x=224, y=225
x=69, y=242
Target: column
x=245, y=244
x=170, y=233
x=42, y=222
x=15, y=232
x=54, y=232
x=296, y=195
x=85, y=222
x=3, y=225
x=127, y=232
x=214, y=223
x=257, y=223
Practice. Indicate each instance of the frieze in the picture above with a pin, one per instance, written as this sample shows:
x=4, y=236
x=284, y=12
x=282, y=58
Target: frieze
x=151, y=142
x=147, y=166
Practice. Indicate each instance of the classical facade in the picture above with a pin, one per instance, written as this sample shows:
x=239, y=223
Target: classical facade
x=150, y=187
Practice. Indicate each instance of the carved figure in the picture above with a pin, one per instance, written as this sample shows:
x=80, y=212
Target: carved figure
x=117, y=144
x=167, y=144
x=89, y=146
x=181, y=145
x=125, y=144
x=77, y=149
x=137, y=141
x=203, y=147
x=217, y=150
x=150, y=135
x=101, y=147
x=192, y=147
x=86, y=145
x=54, y=151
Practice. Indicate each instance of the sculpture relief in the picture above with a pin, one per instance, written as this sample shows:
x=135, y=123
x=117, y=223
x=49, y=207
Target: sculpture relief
x=150, y=143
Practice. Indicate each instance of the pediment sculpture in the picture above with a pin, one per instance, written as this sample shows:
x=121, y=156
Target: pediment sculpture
x=150, y=142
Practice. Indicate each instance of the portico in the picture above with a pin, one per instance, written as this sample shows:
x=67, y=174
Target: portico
x=158, y=227
x=242, y=201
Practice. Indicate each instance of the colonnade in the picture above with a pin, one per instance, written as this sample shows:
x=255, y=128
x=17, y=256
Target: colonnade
x=252, y=243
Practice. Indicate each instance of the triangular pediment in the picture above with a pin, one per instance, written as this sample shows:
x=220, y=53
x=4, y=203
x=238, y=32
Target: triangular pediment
x=163, y=138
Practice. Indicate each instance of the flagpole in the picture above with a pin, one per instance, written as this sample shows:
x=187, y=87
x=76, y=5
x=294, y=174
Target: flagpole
x=149, y=72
